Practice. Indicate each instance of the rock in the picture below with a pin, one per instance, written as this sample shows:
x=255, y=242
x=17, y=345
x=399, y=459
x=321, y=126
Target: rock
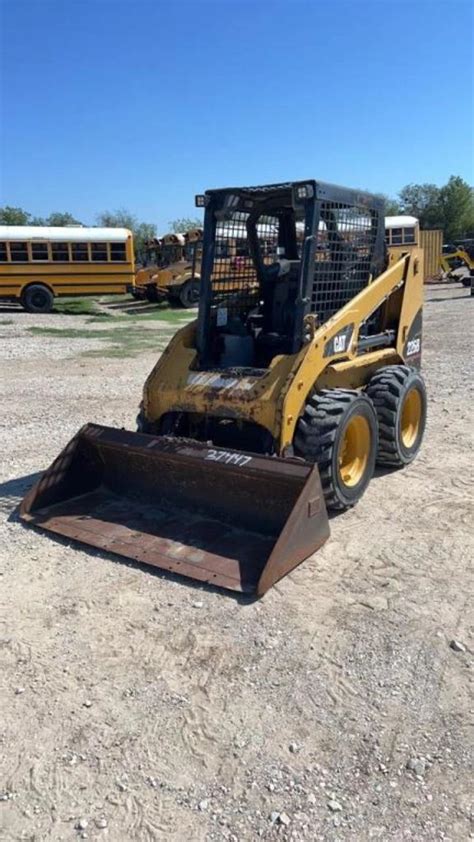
x=82, y=824
x=284, y=818
x=334, y=805
x=457, y=646
x=203, y=805
x=311, y=798
x=197, y=604
x=87, y=703
x=294, y=747
x=274, y=816
x=417, y=765
x=19, y=691
x=102, y=822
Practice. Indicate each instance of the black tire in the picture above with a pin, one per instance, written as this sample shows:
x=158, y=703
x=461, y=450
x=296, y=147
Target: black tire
x=399, y=396
x=151, y=293
x=329, y=419
x=37, y=299
x=143, y=425
x=189, y=294
x=466, y=280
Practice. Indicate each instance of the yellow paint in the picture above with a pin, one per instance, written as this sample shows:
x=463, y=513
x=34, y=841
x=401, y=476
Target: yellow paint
x=68, y=278
x=276, y=399
x=411, y=417
x=354, y=451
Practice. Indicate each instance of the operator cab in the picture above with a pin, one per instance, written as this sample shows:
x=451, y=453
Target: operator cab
x=273, y=256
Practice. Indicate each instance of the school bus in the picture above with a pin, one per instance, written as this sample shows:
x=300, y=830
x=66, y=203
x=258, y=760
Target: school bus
x=38, y=263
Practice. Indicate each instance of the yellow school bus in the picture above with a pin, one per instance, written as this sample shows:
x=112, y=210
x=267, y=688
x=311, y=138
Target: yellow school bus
x=37, y=263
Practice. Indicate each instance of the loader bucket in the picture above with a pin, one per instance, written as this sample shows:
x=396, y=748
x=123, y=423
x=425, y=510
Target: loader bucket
x=228, y=518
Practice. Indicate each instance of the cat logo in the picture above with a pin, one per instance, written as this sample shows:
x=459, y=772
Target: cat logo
x=340, y=343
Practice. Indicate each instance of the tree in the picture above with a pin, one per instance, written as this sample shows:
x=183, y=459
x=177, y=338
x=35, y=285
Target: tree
x=122, y=218
x=185, y=223
x=422, y=201
x=456, y=203
x=391, y=206
x=14, y=216
x=62, y=219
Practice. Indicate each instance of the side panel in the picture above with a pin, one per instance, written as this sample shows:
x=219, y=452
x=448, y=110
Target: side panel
x=432, y=245
x=83, y=280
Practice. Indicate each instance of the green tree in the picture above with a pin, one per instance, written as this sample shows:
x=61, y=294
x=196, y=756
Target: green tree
x=122, y=218
x=185, y=223
x=422, y=201
x=456, y=204
x=62, y=219
x=391, y=206
x=14, y=216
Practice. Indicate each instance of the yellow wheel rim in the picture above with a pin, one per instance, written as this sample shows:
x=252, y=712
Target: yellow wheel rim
x=411, y=417
x=354, y=451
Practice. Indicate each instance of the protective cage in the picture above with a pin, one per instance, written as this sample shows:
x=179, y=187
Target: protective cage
x=332, y=242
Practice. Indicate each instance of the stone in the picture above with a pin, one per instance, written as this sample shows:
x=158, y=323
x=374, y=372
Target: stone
x=284, y=818
x=102, y=822
x=87, y=703
x=82, y=824
x=457, y=646
x=417, y=765
x=334, y=805
x=203, y=805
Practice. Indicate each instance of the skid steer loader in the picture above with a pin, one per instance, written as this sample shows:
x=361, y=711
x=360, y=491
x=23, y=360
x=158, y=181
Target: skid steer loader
x=300, y=373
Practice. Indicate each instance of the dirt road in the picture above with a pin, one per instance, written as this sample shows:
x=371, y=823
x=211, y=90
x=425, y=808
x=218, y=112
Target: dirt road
x=135, y=706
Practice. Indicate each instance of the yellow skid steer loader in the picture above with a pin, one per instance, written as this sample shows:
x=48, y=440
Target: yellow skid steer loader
x=300, y=373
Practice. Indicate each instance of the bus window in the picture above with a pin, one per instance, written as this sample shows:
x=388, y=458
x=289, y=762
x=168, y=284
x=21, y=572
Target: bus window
x=19, y=252
x=397, y=236
x=99, y=251
x=80, y=252
x=39, y=251
x=408, y=235
x=60, y=252
x=117, y=251
x=3, y=252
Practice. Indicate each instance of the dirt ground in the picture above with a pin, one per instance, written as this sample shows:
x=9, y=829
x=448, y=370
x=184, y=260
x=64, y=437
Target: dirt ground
x=137, y=706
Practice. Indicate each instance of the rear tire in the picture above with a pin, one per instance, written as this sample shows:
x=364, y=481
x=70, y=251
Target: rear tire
x=189, y=294
x=399, y=396
x=37, y=299
x=338, y=430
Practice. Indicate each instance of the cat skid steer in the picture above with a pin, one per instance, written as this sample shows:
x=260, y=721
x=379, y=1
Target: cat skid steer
x=300, y=373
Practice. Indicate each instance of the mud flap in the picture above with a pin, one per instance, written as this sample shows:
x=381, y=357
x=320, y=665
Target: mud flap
x=224, y=517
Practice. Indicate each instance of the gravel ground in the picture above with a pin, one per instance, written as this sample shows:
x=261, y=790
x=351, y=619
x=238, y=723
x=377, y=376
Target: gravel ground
x=136, y=706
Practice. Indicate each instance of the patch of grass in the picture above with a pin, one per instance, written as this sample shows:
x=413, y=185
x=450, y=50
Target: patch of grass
x=79, y=307
x=160, y=314
x=6, y=321
x=119, y=341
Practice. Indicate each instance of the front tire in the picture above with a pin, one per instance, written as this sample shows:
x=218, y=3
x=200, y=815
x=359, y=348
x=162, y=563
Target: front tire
x=338, y=430
x=189, y=294
x=399, y=396
x=37, y=299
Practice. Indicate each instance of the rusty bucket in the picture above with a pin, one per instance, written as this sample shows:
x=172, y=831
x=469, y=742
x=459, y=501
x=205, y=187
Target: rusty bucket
x=224, y=517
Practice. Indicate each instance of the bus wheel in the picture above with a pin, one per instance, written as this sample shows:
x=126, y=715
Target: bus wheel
x=37, y=299
x=189, y=294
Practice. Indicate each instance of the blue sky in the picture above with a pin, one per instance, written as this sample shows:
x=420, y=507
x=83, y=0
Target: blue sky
x=141, y=105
